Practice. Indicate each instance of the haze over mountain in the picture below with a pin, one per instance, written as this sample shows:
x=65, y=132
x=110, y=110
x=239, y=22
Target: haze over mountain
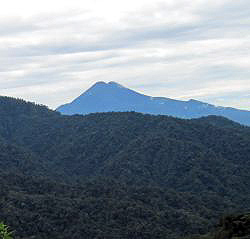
x=107, y=97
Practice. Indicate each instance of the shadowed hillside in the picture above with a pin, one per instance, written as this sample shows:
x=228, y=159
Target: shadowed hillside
x=118, y=175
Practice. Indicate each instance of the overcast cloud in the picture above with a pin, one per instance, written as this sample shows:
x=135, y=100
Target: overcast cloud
x=50, y=52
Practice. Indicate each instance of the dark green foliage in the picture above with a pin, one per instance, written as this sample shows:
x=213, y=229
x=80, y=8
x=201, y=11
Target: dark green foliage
x=99, y=209
x=4, y=232
x=118, y=175
x=235, y=226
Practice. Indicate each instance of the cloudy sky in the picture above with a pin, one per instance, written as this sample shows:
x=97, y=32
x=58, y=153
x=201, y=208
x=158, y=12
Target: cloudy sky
x=52, y=51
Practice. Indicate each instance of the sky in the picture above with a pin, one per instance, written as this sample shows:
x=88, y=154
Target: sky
x=52, y=51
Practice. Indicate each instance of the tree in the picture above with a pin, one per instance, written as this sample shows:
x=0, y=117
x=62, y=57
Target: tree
x=4, y=232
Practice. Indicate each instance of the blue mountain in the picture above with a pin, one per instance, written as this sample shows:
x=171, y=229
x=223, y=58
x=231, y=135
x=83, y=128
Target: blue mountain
x=106, y=97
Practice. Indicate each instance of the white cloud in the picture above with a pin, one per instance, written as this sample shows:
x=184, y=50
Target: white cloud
x=51, y=51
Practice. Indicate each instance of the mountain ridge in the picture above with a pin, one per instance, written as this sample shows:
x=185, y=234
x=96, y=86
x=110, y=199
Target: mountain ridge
x=113, y=97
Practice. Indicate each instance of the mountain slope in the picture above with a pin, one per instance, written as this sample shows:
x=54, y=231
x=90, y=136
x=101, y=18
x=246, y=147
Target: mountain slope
x=118, y=175
x=138, y=145
x=107, y=97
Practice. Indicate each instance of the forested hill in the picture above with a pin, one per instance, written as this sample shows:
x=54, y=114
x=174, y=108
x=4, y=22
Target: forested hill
x=118, y=175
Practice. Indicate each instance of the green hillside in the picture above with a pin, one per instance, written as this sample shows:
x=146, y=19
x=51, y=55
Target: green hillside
x=118, y=175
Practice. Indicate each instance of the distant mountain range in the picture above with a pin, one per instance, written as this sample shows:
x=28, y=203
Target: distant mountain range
x=107, y=97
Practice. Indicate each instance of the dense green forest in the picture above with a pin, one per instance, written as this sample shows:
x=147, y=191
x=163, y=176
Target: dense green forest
x=118, y=175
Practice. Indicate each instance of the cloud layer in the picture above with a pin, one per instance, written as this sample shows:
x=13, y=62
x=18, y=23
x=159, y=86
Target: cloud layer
x=179, y=49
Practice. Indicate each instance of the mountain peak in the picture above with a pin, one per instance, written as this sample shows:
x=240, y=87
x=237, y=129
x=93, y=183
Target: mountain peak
x=109, y=84
x=99, y=83
x=111, y=96
x=101, y=87
x=113, y=83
